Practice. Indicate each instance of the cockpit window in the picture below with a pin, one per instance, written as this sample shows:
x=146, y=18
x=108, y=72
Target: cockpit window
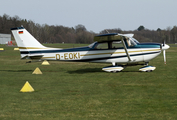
x=136, y=41
x=109, y=45
x=132, y=42
x=102, y=46
x=117, y=44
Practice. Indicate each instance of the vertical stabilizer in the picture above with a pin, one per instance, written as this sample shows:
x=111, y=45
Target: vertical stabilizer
x=27, y=43
x=25, y=40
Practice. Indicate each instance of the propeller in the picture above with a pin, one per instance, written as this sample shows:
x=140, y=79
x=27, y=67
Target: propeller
x=164, y=56
x=164, y=47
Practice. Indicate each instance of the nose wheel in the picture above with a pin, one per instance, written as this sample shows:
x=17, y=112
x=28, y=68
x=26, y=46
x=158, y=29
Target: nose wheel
x=147, y=69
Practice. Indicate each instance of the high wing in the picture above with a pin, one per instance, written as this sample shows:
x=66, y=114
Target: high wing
x=114, y=37
x=111, y=37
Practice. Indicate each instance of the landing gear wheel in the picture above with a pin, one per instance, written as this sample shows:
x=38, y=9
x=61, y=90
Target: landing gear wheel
x=114, y=71
x=149, y=71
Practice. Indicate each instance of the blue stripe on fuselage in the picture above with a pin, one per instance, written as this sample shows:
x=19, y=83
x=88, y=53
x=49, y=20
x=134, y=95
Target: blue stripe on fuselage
x=149, y=45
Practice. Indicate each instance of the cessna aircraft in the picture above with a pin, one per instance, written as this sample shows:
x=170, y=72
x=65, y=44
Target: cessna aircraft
x=120, y=50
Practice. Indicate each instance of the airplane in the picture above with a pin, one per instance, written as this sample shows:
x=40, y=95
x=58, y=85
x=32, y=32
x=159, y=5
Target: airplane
x=121, y=50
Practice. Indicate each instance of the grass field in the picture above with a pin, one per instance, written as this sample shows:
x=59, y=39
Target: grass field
x=82, y=91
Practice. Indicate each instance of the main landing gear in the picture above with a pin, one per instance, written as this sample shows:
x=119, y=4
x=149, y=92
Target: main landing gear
x=113, y=69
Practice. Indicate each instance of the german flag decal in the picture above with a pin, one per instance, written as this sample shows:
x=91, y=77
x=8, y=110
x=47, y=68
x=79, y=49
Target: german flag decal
x=20, y=32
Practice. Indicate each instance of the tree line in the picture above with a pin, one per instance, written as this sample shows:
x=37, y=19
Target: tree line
x=79, y=34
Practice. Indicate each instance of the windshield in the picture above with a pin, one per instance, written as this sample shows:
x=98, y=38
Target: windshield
x=136, y=41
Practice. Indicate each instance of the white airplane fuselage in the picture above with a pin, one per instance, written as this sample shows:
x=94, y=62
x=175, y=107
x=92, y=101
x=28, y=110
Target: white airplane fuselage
x=131, y=53
x=87, y=54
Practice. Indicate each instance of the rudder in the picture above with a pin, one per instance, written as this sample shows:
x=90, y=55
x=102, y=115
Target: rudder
x=26, y=43
x=24, y=39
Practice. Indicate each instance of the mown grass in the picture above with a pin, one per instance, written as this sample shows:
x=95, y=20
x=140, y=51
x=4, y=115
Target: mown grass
x=68, y=90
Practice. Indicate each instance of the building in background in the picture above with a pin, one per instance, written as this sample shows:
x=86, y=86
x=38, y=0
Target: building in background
x=5, y=38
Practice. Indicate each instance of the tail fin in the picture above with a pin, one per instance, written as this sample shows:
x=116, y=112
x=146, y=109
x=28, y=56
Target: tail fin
x=24, y=39
x=26, y=43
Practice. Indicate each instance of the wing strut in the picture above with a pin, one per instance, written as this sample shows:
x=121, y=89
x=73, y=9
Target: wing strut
x=126, y=49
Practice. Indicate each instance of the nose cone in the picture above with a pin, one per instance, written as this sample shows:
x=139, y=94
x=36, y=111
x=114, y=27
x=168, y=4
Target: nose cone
x=165, y=47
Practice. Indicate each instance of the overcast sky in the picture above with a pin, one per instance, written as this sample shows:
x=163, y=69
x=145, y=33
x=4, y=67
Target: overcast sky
x=95, y=15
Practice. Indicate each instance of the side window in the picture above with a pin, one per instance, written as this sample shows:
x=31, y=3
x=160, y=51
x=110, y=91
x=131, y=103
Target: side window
x=102, y=46
x=117, y=44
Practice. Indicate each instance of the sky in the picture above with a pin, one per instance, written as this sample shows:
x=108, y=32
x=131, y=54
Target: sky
x=95, y=15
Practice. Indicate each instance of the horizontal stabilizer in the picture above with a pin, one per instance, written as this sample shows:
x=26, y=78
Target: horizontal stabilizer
x=32, y=56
